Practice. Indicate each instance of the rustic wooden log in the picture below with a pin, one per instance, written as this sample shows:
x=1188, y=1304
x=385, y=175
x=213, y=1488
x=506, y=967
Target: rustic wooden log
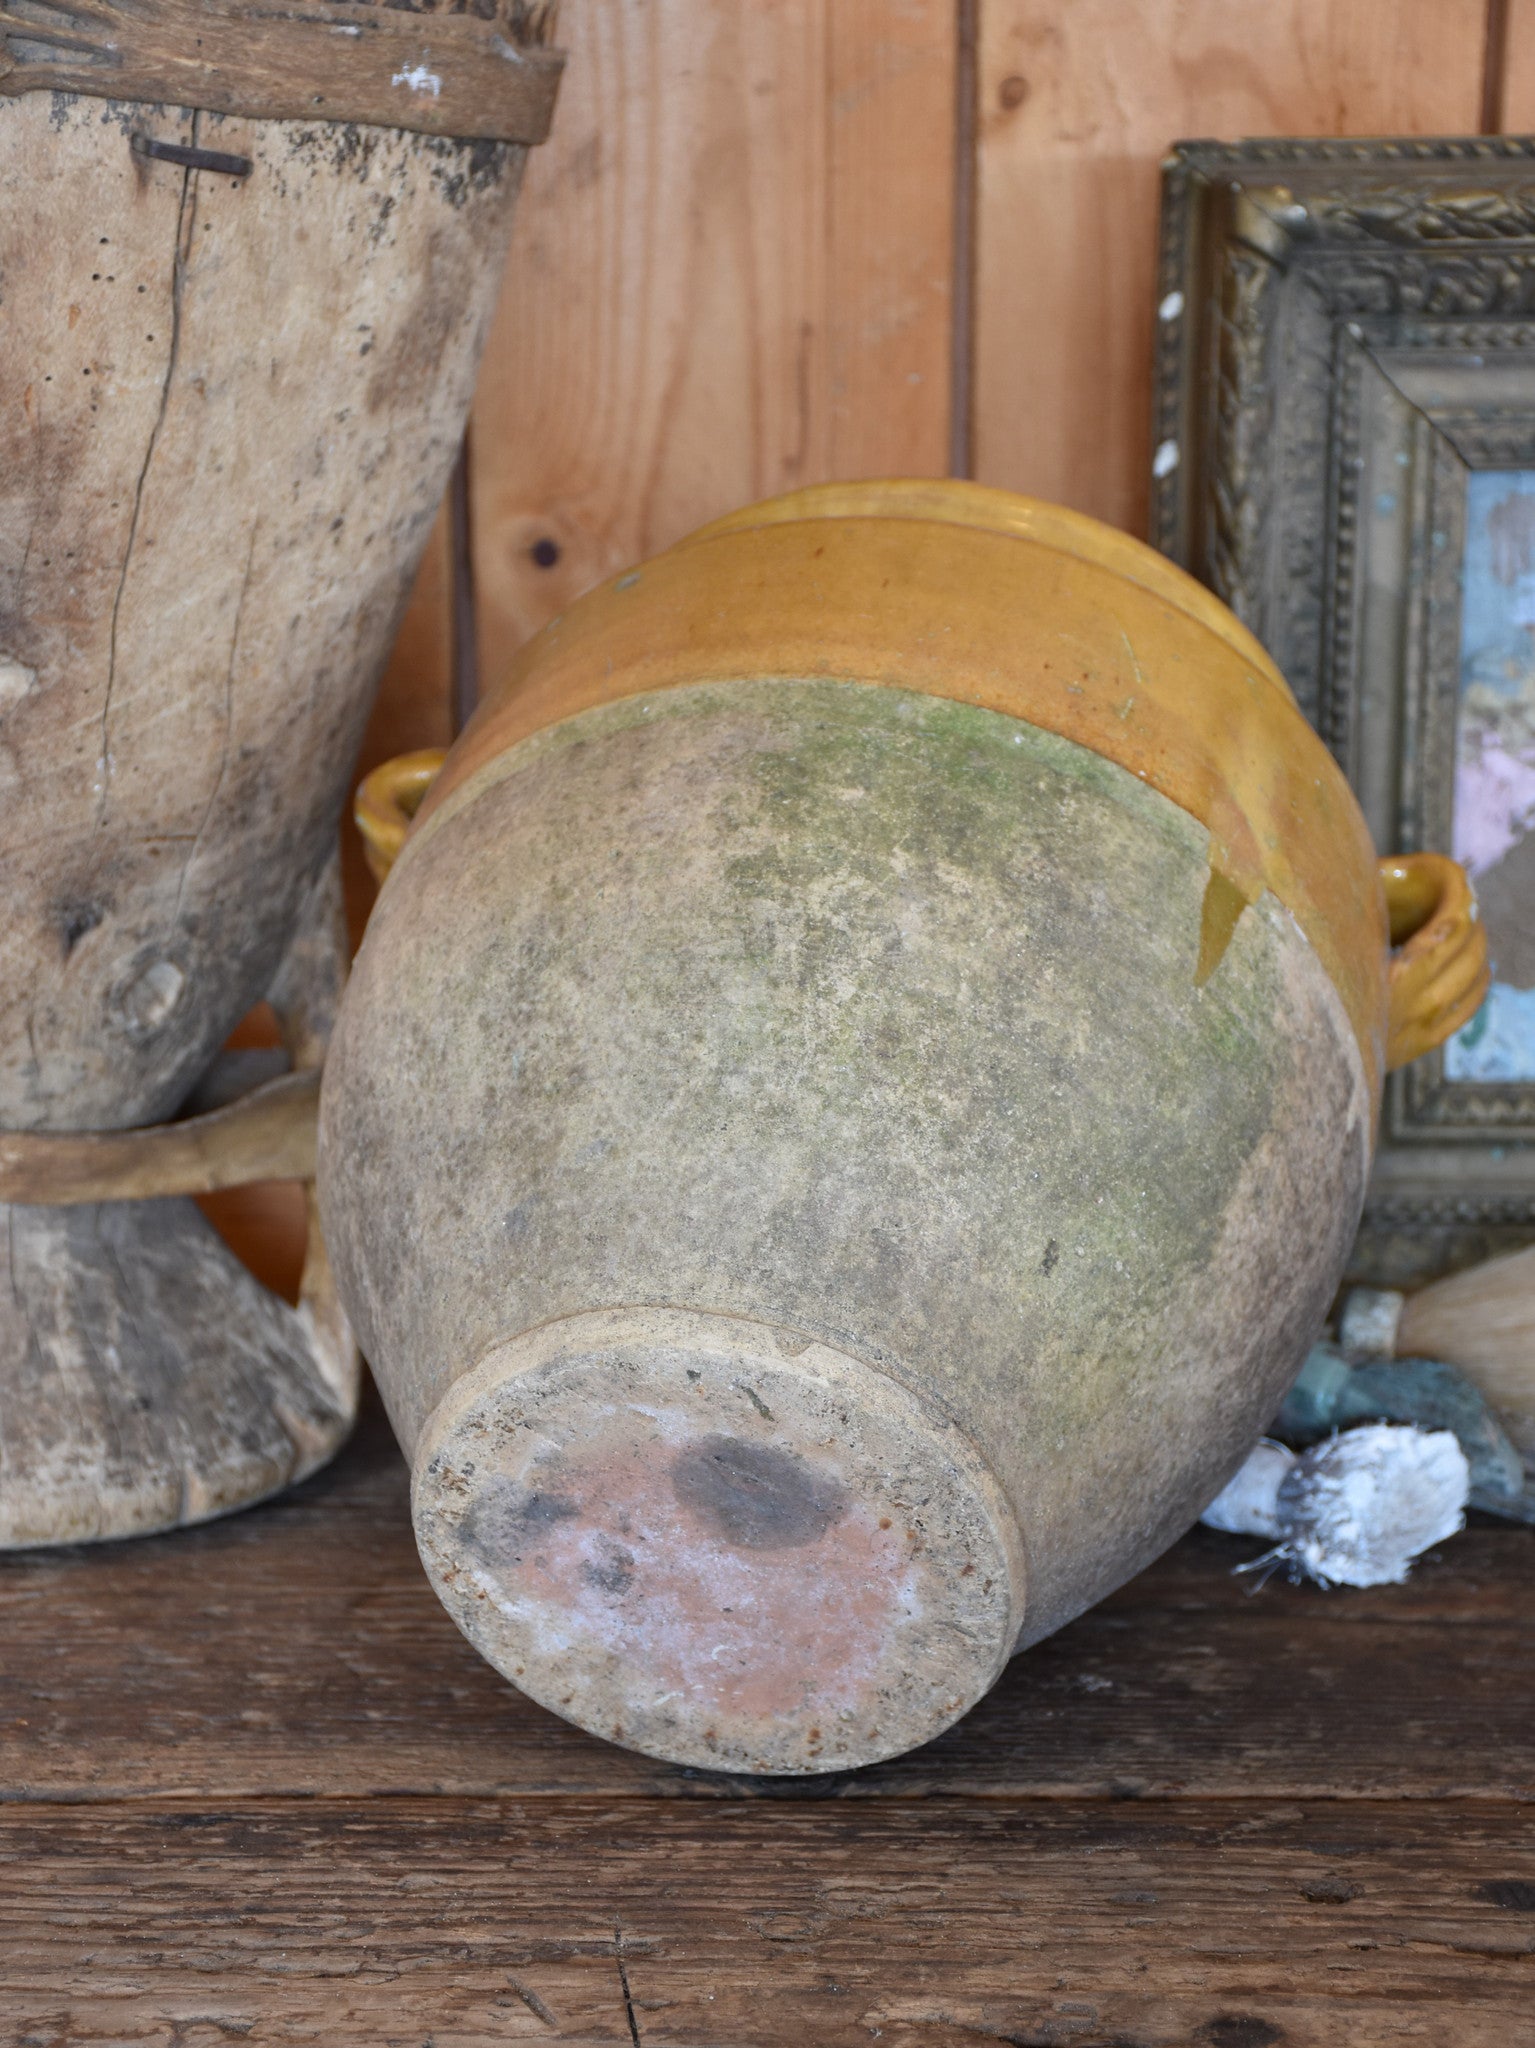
x=231, y=407
x=445, y=74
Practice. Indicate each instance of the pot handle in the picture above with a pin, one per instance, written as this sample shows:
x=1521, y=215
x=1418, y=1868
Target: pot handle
x=387, y=798
x=1439, y=973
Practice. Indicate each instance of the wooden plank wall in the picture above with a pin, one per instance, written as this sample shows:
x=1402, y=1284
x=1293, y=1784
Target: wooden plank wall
x=1078, y=101
x=776, y=241
x=736, y=268
x=731, y=275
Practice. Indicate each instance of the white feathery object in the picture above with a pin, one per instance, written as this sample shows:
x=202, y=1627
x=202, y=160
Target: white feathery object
x=1355, y=1510
x=1248, y=1504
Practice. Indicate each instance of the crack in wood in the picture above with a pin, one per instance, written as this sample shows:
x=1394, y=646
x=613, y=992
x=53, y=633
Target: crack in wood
x=623, y=1978
x=183, y=245
x=229, y=686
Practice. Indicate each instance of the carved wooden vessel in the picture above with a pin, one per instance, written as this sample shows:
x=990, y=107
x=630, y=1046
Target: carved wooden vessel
x=852, y=1105
x=238, y=356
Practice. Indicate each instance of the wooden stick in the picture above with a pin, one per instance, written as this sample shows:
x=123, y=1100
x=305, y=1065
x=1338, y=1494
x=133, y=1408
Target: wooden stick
x=1483, y=1320
x=266, y=1135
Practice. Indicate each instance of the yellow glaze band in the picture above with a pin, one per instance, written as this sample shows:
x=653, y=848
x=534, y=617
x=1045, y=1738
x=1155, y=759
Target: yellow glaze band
x=955, y=502
x=959, y=592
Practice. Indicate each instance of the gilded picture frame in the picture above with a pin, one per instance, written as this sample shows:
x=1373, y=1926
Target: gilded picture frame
x=1344, y=450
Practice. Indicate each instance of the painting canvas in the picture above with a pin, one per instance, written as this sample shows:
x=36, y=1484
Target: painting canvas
x=1494, y=815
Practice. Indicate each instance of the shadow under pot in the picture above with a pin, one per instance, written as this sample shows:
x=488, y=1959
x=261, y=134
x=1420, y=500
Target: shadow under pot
x=853, y=1104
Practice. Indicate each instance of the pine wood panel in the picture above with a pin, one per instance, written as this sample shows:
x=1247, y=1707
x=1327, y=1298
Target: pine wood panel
x=1512, y=101
x=1076, y=107
x=730, y=276
x=298, y=1649
x=927, y=1925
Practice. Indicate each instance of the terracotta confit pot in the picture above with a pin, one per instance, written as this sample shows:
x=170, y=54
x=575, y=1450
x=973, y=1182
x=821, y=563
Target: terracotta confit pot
x=852, y=1107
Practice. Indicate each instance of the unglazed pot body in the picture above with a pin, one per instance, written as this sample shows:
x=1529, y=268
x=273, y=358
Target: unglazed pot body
x=821, y=1208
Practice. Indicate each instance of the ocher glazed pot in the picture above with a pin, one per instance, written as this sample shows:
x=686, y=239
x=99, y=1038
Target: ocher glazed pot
x=852, y=1105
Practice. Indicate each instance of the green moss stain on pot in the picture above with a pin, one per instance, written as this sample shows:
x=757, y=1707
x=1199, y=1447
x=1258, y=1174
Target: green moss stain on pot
x=871, y=1018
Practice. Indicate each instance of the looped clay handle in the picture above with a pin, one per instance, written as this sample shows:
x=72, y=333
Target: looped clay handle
x=387, y=799
x=1439, y=972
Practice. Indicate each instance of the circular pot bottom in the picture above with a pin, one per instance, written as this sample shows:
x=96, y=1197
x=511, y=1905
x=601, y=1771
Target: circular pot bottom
x=718, y=1542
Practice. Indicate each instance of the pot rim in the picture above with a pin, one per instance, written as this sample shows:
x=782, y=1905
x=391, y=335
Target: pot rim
x=957, y=501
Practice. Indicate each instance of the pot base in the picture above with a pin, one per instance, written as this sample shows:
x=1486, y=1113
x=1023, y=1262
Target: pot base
x=718, y=1542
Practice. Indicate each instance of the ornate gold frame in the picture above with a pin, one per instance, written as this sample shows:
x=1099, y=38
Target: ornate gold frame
x=1345, y=331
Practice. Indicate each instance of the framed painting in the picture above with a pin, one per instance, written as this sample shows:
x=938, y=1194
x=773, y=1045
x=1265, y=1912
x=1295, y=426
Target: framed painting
x=1344, y=450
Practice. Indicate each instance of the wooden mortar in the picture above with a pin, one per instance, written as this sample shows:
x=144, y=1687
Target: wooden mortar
x=244, y=304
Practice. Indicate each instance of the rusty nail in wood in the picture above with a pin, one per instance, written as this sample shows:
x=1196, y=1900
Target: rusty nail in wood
x=192, y=159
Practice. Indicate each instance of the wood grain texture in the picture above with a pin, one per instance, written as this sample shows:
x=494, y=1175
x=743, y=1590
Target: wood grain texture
x=266, y=1223
x=1077, y=106
x=730, y=277
x=454, y=75
x=192, y=628
x=299, y=1650
x=943, y=1922
x=254, y=1786
x=1201, y=1816
x=1511, y=97
x=148, y=1381
x=234, y=403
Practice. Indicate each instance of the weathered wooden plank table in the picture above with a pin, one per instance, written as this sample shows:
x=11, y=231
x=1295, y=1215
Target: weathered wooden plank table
x=259, y=1790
